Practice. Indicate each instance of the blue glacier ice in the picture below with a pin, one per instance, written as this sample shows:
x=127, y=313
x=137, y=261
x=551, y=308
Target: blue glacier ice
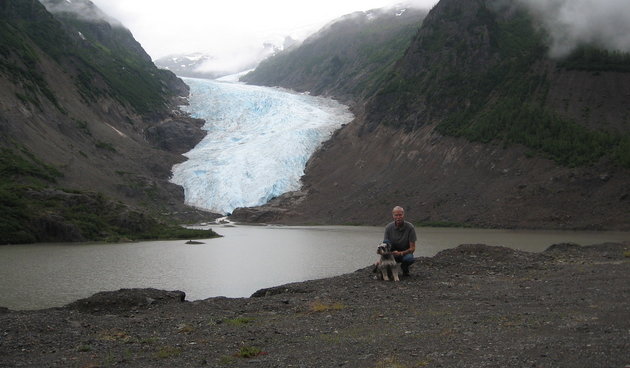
x=259, y=140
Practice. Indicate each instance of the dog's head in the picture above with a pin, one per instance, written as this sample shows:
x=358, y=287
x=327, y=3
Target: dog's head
x=384, y=248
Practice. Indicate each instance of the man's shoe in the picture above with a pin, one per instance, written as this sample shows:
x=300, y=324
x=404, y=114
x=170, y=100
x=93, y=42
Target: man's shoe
x=405, y=270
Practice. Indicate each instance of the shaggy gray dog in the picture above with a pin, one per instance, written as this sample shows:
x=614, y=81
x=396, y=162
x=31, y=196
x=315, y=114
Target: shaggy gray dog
x=387, y=264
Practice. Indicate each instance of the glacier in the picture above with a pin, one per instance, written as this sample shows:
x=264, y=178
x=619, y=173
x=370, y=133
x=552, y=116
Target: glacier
x=257, y=144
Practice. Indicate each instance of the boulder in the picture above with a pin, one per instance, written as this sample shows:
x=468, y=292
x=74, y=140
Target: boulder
x=126, y=300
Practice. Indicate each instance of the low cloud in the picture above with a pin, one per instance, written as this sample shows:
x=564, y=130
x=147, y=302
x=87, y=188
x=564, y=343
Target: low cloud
x=237, y=61
x=82, y=9
x=571, y=23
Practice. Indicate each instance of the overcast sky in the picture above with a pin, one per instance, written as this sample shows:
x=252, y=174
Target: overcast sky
x=165, y=27
x=232, y=30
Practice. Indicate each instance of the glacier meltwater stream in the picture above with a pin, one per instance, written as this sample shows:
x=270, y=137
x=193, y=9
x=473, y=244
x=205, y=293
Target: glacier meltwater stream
x=258, y=142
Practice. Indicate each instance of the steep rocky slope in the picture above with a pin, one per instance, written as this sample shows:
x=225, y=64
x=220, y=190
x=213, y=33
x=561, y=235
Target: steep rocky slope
x=80, y=98
x=476, y=125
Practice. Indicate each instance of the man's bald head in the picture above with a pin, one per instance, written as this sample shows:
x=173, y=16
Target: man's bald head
x=398, y=213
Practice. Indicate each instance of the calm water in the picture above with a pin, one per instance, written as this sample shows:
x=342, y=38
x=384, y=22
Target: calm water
x=246, y=259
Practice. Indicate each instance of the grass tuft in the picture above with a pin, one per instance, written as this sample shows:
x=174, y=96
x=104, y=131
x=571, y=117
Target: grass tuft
x=168, y=352
x=84, y=348
x=249, y=352
x=324, y=307
x=239, y=321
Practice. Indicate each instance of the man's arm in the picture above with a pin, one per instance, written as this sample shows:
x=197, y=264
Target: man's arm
x=411, y=249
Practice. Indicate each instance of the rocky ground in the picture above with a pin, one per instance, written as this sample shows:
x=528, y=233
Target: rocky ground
x=472, y=306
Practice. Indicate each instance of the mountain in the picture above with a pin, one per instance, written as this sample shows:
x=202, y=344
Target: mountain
x=187, y=65
x=347, y=58
x=90, y=126
x=209, y=66
x=475, y=125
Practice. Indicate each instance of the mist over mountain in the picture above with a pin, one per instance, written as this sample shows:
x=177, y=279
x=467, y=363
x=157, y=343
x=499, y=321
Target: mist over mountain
x=473, y=123
x=347, y=57
x=573, y=23
x=210, y=66
x=84, y=10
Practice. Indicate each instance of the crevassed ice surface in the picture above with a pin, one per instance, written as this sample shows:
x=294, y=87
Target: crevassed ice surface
x=259, y=140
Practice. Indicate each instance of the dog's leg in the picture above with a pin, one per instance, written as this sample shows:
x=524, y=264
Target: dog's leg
x=384, y=273
x=396, y=271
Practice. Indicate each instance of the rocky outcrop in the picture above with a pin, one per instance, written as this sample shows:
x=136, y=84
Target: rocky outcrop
x=177, y=135
x=125, y=301
x=273, y=211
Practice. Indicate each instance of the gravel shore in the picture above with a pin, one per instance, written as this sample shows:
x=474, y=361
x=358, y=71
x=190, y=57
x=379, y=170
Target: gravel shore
x=471, y=306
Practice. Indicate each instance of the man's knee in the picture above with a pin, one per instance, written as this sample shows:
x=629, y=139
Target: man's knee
x=407, y=259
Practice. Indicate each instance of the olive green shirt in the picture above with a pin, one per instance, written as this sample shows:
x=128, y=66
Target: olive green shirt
x=400, y=237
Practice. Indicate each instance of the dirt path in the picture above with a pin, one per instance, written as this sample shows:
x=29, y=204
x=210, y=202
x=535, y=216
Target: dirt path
x=472, y=306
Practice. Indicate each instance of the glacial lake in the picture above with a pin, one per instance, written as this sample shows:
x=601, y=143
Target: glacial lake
x=245, y=259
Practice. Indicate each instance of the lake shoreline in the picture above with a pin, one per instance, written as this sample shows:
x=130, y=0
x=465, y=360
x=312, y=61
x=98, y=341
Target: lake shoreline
x=474, y=305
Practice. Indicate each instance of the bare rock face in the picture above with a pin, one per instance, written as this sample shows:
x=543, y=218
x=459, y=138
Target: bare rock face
x=54, y=228
x=273, y=211
x=264, y=214
x=177, y=135
x=126, y=300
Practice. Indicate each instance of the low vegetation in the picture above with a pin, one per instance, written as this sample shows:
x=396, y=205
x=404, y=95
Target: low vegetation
x=249, y=352
x=503, y=101
x=591, y=58
x=168, y=352
x=19, y=58
x=240, y=321
x=319, y=306
x=350, y=56
x=442, y=224
x=104, y=65
x=34, y=209
x=509, y=113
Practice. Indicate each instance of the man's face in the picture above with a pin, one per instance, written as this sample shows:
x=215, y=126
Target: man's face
x=399, y=217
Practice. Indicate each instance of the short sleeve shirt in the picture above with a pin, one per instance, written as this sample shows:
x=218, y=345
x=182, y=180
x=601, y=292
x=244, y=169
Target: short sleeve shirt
x=400, y=237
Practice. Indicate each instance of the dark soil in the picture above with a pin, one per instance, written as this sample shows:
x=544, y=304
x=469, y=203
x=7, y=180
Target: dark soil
x=472, y=306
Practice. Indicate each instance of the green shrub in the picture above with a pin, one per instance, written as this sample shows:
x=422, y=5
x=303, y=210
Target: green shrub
x=319, y=306
x=168, y=352
x=249, y=352
x=239, y=321
x=27, y=197
x=592, y=58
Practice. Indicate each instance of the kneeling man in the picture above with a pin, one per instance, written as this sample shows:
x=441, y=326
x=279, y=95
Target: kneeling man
x=402, y=236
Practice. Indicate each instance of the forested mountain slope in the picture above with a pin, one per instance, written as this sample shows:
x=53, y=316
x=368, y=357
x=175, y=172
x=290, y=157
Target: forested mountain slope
x=476, y=125
x=347, y=58
x=88, y=124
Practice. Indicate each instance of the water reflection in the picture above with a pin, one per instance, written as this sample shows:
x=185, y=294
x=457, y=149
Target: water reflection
x=246, y=259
